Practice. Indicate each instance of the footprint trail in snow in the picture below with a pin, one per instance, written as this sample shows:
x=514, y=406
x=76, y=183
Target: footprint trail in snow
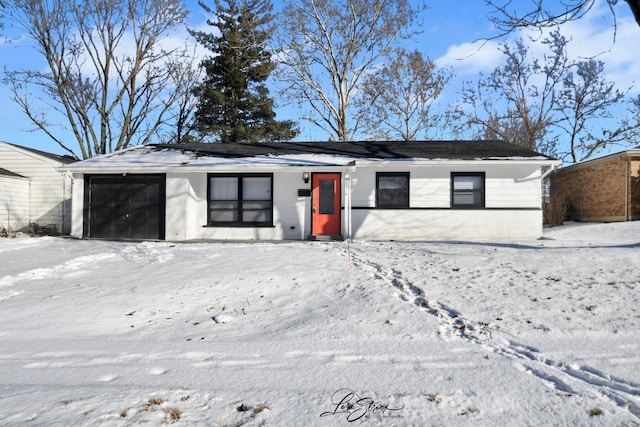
x=562, y=376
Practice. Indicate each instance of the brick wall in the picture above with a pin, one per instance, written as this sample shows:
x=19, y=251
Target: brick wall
x=596, y=191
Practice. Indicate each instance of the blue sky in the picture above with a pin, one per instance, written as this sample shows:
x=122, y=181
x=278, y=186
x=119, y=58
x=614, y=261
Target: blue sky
x=450, y=29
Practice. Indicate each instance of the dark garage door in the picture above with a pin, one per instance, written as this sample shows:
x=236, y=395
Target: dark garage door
x=124, y=207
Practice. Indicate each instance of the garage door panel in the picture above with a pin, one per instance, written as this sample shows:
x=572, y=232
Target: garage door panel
x=125, y=207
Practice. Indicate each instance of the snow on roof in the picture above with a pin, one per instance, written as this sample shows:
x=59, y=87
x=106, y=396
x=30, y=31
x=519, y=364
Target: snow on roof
x=241, y=155
x=458, y=150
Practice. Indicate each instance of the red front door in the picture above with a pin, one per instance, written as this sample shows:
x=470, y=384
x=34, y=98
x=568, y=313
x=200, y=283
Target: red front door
x=325, y=204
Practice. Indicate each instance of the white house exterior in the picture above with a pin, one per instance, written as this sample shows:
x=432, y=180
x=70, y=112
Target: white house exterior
x=451, y=190
x=33, y=193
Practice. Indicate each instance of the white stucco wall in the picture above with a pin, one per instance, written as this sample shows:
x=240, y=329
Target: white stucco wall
x=512, y=204
x=187, y=210
x=506, y=186
x=475, y=225
x=77, y=205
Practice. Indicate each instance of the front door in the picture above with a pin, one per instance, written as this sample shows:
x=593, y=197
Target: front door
x=326, y=204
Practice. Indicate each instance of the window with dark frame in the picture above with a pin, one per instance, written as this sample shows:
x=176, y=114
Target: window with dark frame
x=467, y=189
x=240, y=200
x=392, y=189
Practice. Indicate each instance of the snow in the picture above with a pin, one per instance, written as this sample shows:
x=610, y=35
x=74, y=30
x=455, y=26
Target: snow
x=152, y=158
x=162, y=159
x=385, y=333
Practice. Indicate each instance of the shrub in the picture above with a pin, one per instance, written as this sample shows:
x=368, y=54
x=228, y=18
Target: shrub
x=555, y=208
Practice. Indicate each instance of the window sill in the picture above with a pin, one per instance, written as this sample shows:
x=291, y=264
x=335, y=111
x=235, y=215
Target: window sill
x=236, y=225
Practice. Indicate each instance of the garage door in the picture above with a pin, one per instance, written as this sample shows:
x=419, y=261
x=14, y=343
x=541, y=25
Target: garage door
x=124, y=207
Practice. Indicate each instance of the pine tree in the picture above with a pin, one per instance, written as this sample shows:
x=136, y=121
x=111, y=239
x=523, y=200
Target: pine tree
x=233, y=100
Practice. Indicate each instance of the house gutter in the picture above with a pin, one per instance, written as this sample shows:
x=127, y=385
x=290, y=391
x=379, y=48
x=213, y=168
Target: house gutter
x=548, y=170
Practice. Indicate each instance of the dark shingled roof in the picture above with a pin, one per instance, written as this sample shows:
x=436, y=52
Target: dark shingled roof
x=459, y=150
x=57, y=157
x=6, y=172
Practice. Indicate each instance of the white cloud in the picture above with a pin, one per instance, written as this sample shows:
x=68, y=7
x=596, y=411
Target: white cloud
x=593, y=36
x=471, y=58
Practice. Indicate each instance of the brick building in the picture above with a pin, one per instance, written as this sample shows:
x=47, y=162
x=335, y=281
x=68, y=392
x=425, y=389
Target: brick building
x=606, y=189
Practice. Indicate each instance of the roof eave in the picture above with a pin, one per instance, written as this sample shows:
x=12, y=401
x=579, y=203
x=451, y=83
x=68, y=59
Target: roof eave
x=622, y=155
x=41, y=155
x=295, y=166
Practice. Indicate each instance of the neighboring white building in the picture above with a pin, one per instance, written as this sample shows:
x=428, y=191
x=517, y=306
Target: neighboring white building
x=33, y=193
x=444, y=190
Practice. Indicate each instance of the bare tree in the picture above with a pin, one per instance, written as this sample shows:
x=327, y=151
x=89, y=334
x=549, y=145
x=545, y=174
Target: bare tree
x=108, y=78
x=586, y=96
x=516, y=101
x=397, y=100
x=186, y=76
x=555, y=105
x=547, y=14
x=327, y=47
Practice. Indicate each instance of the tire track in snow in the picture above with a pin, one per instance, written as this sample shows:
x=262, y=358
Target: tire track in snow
x=559, y=375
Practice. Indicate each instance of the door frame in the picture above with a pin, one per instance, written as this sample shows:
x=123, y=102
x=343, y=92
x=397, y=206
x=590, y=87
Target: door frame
x=338, y=199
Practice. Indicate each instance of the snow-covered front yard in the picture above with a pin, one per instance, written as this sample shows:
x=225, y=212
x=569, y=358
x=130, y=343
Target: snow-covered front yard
x=541, y=332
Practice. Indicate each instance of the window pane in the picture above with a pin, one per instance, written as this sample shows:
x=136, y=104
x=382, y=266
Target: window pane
x=467, y=198
x=392, y=199
x=256, y=204
x=326, y=196
x=392, y=182
x=224, y=215
x=256, y=188
x=256, y=215
x=227, y=204
x=468, y=190
x=393, y=191
x=467, y=183
x=225, y=207
x=224, y=188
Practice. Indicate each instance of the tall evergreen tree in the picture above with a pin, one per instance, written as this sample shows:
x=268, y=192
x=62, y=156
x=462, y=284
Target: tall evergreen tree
x=234, y=103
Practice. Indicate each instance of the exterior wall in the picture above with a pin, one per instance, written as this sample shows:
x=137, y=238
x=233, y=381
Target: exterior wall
x=512, y=204
x=14, y=203
x=597, y=191
x=187, y=210
x=506, y=186
x=475, y=225
x=50, y=191
x=77, y=205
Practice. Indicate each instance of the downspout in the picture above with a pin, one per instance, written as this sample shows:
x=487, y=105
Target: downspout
x=64, y=193
x=627, y=178
x=348, y=187
x=66, y=206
